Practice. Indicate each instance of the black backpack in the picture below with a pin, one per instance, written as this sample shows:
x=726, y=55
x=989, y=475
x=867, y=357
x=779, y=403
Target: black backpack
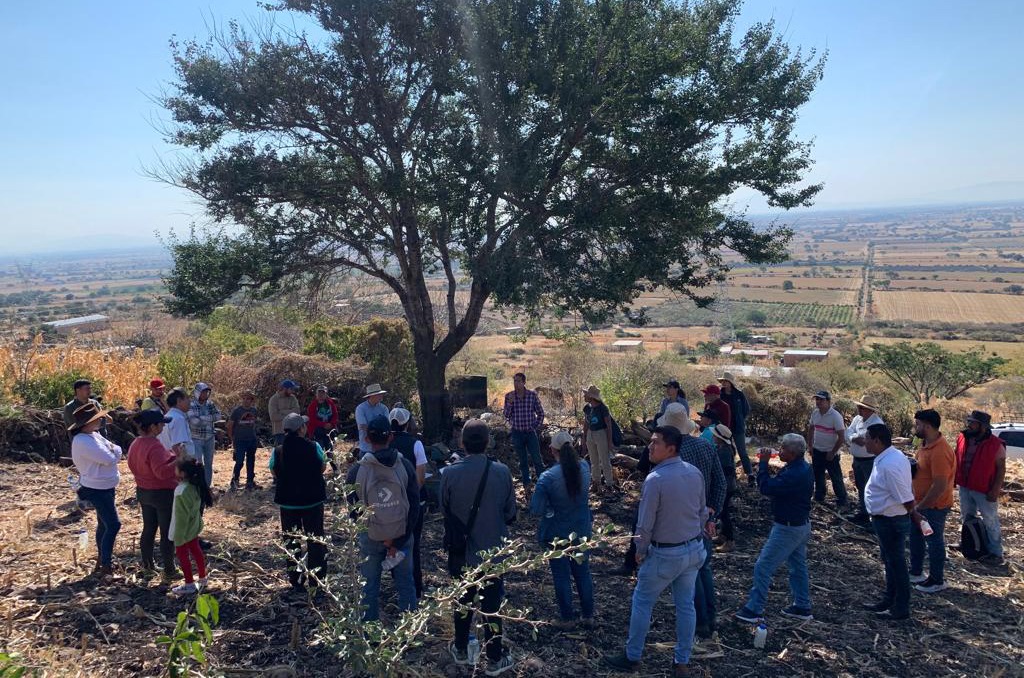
x=973, y=539
x=616, y=434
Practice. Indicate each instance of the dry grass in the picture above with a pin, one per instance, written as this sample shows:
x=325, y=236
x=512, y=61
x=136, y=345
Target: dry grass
x=801, y=296
x=965, y=307
x=771, y=280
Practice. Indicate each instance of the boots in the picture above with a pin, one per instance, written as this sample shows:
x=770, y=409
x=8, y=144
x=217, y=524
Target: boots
x=234, y=483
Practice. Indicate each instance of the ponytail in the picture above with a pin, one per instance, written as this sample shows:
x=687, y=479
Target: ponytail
x=195, y=474
x=570, y=464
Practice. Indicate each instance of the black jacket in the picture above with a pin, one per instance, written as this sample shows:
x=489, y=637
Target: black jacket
x=298, y=472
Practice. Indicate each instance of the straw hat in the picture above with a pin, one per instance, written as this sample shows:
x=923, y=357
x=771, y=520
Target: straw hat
x=722, y=432
x=729, y=378
x=374, y=389
x=593, y=392
x=867, y=400
x=676, y=415
x=85, y=415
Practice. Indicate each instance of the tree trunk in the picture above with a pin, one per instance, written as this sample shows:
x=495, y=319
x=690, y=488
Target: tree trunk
x=435, y=401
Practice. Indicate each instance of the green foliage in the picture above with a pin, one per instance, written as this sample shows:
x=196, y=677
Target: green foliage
x=12, y=666
x=630, y=387
x=571, y=368
x=384, y=345
x=53, y=390
x=837, y=373
x=187, y=361
x=777, y=314
x=757, y=317
x=186, y=646
x=231, y=341
x=926, y=370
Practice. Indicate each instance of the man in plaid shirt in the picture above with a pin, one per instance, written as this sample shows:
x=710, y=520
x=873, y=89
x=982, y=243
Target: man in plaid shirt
x=525, y=415
x=202, y=415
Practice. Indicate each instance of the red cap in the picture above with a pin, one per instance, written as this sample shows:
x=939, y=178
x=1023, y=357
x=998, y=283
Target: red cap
x=713, y=389
x=157, y=383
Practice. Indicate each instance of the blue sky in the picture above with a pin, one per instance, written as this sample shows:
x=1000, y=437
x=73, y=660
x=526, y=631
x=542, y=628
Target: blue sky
x=921, y=101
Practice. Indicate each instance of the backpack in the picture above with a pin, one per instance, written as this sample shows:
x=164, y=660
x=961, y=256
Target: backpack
x=973, y=539
x=384, y=489
x=616, y=433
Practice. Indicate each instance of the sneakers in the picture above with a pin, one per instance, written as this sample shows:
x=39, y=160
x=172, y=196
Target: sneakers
x=881, y=606
x=930, y=586
x=749, y=616
x=501, y=666
x=798, y=613
x=185, y=589
x=459, y=657
x=991, y=560
x=621, y=662
x=201, y=584
x=918, y=578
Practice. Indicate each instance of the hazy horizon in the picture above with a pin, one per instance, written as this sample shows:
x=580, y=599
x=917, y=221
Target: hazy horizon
x=917, y=107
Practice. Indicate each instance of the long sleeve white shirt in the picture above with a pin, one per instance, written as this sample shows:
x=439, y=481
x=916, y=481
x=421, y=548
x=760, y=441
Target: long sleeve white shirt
x=177, y=431
x=858, y=429
x=96, y=459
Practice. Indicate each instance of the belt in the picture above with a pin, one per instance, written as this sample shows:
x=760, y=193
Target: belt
x=791, y=523
x=667, y=545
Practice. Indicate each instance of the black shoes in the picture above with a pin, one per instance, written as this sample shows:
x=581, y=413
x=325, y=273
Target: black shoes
x=622, y=663
x=876, y=607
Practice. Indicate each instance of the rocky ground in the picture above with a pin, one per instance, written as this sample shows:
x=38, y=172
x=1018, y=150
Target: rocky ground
x=60, y=622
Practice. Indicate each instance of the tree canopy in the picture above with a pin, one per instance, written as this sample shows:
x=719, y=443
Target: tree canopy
x=927, y=371
x=527, y=152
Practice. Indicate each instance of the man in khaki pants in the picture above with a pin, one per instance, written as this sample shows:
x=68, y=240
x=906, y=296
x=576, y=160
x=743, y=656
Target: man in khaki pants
x=597, y=433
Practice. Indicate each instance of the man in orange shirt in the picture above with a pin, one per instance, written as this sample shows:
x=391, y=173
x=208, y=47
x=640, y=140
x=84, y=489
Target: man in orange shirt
x=933, y=492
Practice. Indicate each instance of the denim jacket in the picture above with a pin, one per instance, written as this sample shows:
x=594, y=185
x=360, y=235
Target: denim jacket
x=568, y=515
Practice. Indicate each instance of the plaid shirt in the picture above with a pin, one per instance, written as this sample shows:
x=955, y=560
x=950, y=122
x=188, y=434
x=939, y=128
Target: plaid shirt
x=201, y=419
x=703, y=455
x=523, y=414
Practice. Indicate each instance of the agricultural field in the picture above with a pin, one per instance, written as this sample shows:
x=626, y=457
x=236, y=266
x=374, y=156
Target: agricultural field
x=967, y=307
x=840, y=297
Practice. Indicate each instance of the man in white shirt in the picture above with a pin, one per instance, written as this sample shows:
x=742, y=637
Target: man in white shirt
x=825, y=437
x=867, y=415
x=889, y=498
x=177, y=433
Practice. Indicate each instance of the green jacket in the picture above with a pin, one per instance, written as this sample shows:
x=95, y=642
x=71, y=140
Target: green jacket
x=186, y=516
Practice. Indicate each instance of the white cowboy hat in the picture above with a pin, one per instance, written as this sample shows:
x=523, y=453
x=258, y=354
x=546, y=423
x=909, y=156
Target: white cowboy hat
x=676, y=415
x=374, y=389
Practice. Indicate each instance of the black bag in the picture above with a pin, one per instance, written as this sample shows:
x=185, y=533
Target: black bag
x=616, y=434
x=456, y=534
x=973, y=539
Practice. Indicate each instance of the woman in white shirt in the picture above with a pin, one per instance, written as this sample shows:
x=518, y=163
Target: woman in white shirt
x=96, y=459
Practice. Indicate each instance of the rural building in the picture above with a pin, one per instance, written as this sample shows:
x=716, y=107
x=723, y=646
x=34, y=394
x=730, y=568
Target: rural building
x=515, y=329
x=85, y=323
x=761, y=339
x=628, y=345
x=754, y=353
x=791, y=357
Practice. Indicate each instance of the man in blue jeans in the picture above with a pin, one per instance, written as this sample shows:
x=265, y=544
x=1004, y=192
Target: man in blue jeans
x=525, y=416
x=669, y=548
x=790, y=492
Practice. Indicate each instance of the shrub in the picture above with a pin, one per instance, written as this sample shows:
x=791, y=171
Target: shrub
x=187, y=361
x=571, y=368
x=775, y=410
x=53, y=390
x=384, y=345
x=630, y=389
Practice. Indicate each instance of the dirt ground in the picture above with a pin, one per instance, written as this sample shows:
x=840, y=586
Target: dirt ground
x=48, y=604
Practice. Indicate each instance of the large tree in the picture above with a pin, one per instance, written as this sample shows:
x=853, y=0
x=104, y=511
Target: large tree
x=926, y=370
x=570, y=152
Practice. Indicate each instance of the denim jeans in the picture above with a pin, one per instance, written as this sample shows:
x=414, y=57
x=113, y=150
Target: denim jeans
x=972, y=503
x=156, y=508
x=566, y=570
x=892, y=534
x=375, y=553
x=785, y=544
x=527, y=446
x=936, y=545
x=704, y=597
x=245, y=453
x=739, y=436
x=107, y=522
x=204, y=453
x=820, y=465
x=861, y=472
x=674, y=567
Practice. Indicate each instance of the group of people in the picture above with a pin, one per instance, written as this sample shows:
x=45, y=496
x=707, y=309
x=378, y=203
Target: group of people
x=690, y=481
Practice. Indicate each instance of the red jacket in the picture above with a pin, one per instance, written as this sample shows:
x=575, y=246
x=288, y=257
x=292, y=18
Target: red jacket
x=982, y=470
x=316, y=422
x=152, y=465
x=722, y=409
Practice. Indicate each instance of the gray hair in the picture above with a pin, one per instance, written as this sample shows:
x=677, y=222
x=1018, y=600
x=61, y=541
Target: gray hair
x=794, y=442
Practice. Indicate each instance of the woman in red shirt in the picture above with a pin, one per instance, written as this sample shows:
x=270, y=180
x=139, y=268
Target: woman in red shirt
x=154, y=470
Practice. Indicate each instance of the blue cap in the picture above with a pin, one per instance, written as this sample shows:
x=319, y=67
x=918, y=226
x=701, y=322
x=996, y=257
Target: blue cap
x=288, y=383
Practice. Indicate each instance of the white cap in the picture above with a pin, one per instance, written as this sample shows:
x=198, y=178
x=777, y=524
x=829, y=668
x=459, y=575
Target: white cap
x=401, y=415
x=559, y=440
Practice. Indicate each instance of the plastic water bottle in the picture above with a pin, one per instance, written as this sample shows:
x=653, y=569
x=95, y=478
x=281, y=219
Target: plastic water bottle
x=83, y=540
x=760, y=636
x=473, y=649
x=926, y=529
x=391, y=562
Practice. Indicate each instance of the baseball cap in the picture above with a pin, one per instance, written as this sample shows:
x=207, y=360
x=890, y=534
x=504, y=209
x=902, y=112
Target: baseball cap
x=671, y=382
x=288, y=383
x=294, y=421
x=150, y=417
x=559, y=440
x=321, y=389
x=379, y=424
x=157, y=383
x=401, y=415
x=824, y=395
x=714, y=389
x=475, y=434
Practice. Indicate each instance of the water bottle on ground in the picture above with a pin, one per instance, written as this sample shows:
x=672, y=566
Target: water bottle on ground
x=760, y=636
x=473, y=649
x=83, y=540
